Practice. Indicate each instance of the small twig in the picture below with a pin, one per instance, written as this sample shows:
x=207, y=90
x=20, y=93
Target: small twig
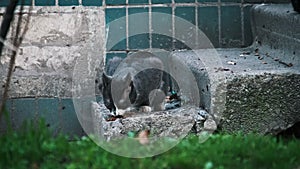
x=7, y=19
x=286, y=64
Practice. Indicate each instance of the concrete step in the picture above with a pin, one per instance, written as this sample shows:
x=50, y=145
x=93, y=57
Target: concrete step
x=256, y=89
x=249, y=93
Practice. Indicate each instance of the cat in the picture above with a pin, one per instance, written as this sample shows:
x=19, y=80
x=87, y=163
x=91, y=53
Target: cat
x=296, y=5
x=127, y=86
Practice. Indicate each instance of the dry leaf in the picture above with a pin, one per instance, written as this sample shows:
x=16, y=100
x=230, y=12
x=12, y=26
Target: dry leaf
x=143, y=137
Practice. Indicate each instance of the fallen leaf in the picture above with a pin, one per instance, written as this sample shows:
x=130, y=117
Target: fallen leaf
x=143, y=137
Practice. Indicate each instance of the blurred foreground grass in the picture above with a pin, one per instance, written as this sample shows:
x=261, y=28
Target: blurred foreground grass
x=35, y=147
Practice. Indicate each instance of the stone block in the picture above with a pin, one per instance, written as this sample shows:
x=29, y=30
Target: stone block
x=174, y=123
x=257, y=94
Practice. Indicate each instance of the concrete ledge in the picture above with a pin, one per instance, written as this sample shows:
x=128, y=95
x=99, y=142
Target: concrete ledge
x=264, y=103
x=258, y=93
x=174, y=123
x=263, y=94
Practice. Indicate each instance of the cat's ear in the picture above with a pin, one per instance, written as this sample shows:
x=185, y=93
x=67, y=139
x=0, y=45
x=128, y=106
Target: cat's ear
x=106, y=79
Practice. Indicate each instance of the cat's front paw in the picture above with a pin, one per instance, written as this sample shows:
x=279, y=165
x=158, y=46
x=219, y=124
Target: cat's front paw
x=145, y=109
x=126, y=112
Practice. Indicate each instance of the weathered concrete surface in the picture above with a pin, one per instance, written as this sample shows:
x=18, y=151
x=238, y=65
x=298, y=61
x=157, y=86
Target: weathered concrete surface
x=266, y=102
x=174, y=123
x=262, y=96
x=277, y=31
x=57, y=39
x=44, y=85
x=258, y=93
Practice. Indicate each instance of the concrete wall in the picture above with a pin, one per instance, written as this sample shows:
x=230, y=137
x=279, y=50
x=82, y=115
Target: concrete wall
x=57, y=39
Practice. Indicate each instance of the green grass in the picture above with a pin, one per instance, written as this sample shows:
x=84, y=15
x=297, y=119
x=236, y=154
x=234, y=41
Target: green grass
x=35, y=147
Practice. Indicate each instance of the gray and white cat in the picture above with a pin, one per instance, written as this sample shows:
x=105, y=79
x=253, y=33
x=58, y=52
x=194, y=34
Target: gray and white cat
x=134, y=83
